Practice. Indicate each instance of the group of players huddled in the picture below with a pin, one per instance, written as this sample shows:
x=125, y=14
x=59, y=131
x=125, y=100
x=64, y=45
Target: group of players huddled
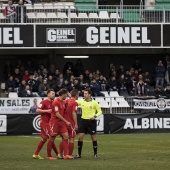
x=59, y=117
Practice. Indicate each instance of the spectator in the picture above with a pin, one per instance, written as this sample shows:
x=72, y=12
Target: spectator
x=26, y=75
x=90, y=79
x=60, y=78
x=68, y=66
x=21, y=90
x=131, y=84
x=86, y=75
x=17, y=78
x=44, y=73
x=52, y=70
x=10, y=84
x=56, y=74
x=57, y=87
x=85, y=86
x=67, y=75
x=79, y=68
x=102, y=82
x=112, y=84
x=97, y=74
x=43, y=87
x=51, y=82
x=96, y=88
x=66, y=85
x=76, y=85
x=167, y=91
x=120, y=71
x=137, y=66
x=21, y=12
x=35, y=75
x=10, y=12
x=81, y=80
x=27, y=92
x=121, y=83
x=34, y=107
x=140, y=89
x=32, y=83
x=147, y=78
x=160, y=73
x=136, y=75
x=159, y=91
x=40, y=69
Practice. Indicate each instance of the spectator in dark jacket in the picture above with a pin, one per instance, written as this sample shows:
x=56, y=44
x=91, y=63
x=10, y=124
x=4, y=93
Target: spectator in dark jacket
x=21, y=89
x=10, y=84
x=32, y=83
x=17, y=78
x=43, y=87
x=66, y=85
x=160, y=73
x=102, y=82
x=96, y=88
x=112, y=84
x=51, y=81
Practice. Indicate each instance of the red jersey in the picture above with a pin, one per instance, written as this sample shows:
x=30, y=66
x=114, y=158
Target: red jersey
x=45, y=105
x=71, y=106
x=57, y=106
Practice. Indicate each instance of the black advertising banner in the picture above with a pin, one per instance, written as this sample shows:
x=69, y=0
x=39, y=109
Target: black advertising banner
x=16, y=36
x=137, y=123
x=166, y=35
x=97, y=35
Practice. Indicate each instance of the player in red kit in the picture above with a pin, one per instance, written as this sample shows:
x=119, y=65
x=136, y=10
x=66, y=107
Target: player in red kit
x=58, y=125
x=45, y=109
x=71, y=116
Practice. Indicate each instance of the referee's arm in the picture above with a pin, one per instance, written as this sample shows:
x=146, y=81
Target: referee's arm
x=98, y=109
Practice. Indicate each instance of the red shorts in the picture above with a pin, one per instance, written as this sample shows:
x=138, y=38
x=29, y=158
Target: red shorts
x=44, y=130
x=71, y=132
x=57, y=127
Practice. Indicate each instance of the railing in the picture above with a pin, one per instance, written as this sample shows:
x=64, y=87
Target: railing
x=75, y=14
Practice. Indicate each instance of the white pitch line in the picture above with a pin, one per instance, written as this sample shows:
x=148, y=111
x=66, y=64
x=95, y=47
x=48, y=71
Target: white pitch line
x=55, y=139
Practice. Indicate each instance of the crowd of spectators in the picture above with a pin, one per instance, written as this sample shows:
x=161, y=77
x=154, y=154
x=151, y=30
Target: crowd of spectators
x=28, y=78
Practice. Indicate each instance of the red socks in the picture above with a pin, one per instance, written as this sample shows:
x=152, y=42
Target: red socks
x=61, y=148
x=55, y=149
x=39, y=147
x=65, y=146
x=49, y=147
x=71, y=148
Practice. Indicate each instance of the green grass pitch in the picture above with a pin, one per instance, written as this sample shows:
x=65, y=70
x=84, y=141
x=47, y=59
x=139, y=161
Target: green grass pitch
x=116, y=152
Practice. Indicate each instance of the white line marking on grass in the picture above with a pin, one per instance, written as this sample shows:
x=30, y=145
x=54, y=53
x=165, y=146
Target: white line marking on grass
x=55, y=139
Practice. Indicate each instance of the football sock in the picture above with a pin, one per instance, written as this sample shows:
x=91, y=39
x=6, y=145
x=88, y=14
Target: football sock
x=65, y=146
x=61, y=148
x=80, y=144
x=39, y=147
x=71, y=148
x=49, y=147
x=95, y=147
x=55, y=149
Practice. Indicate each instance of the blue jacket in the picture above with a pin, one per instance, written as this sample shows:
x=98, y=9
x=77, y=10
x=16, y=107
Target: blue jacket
x=160, y=71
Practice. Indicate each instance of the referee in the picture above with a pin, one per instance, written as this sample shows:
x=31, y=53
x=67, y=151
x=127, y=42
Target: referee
x=90, y=111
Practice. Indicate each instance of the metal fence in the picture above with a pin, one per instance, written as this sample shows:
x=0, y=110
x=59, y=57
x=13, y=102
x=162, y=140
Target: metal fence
x=57, y=13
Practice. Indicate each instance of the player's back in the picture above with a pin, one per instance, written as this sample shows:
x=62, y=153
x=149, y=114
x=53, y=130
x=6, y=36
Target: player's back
x=70, y=107
x=57, y=106
x=45, y=105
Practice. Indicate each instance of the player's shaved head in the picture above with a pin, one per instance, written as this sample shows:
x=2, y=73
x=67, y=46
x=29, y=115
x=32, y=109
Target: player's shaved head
x=74, y=93
x=62, y=92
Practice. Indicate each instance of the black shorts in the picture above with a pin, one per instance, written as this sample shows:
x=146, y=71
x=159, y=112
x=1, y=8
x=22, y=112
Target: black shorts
x=87, y=126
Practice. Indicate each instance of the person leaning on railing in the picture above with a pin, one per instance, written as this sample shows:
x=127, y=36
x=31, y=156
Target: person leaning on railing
x=21, y=11
x=10, y=12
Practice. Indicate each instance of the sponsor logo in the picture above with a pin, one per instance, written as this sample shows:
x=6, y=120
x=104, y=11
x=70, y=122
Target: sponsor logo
x=3, y=123
x=117, y=35
x=146, y=123
x=10, y=36
x=161, y=104
x=36, y=123
x=61, y=35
